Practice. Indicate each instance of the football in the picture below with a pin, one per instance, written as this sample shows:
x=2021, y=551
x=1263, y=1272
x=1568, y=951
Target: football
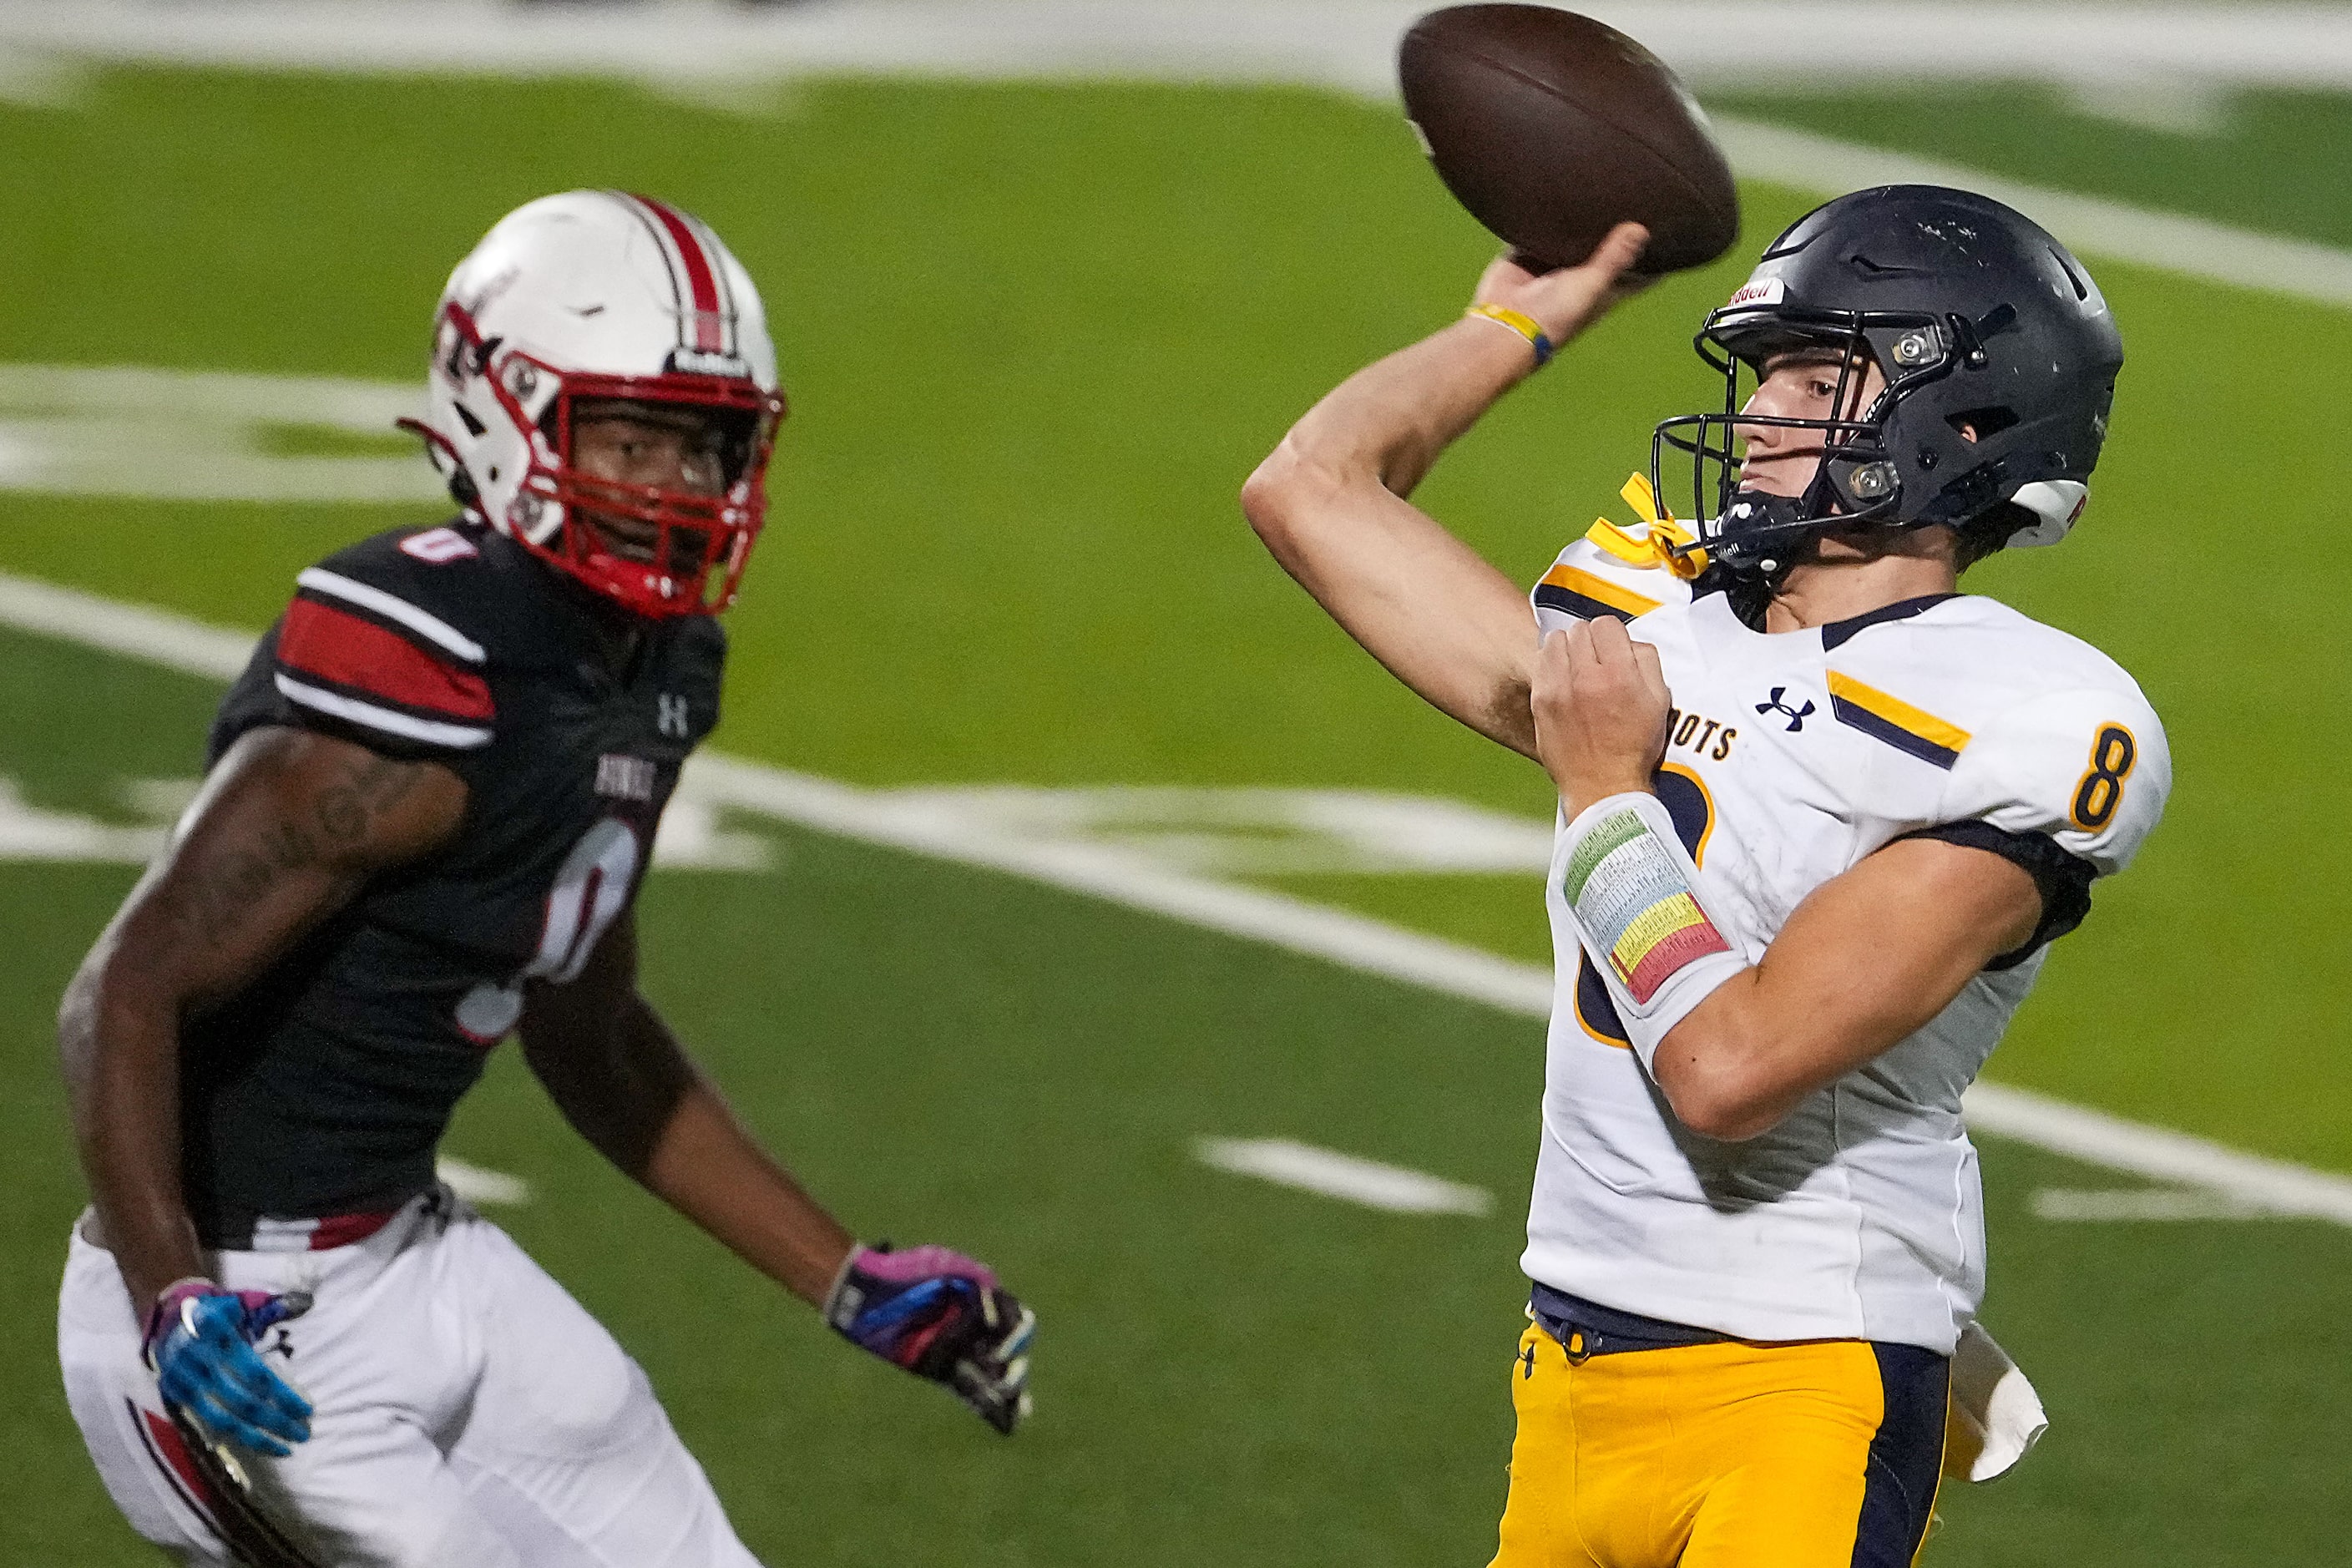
x=1551, y=128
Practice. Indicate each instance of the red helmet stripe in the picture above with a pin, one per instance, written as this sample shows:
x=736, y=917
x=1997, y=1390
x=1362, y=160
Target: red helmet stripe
x=701, y=276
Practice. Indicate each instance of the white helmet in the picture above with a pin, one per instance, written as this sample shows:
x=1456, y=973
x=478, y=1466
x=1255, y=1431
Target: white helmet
x=597, y=294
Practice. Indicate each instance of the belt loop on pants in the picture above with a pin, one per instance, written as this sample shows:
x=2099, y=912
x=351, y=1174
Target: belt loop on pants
x=1587, y=1328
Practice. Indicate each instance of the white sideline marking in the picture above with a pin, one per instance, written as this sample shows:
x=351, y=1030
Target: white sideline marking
x=1349, y=45
x=2180, y=56
x=2102, y=1205
x=1342, y=1176
x=1354, y=941
x=479, y=1185
x=2187, y=246
x=690, y=839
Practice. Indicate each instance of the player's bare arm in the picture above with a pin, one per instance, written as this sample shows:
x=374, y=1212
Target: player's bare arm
x=1864, y=960
x=1332, y=501
x=624, y=1083
x=288, y=826
x=1869, y=958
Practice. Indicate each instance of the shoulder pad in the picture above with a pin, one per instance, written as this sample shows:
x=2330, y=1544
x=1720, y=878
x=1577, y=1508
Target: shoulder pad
x=384, y=638
x=1587, y=582
x=2088, y=766
x=1621, y=571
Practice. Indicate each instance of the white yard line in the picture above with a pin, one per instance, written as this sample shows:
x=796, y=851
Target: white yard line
x=2141, y=1204
x=1355, y=942
x=1344, y=1177
x=2158, y=1153
x=941, y=831
x=1349, y=45
x=136, y=631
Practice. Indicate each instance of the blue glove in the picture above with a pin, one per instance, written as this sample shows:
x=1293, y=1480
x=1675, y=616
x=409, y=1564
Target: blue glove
x=200, y=1340
x=941, y=1316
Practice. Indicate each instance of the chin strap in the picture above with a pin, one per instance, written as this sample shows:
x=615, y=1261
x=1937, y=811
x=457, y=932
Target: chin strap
x=1667, y=544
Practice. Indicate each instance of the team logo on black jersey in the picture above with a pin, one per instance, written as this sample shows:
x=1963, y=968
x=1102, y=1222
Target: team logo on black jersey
x=670, y=716
x=625, y=777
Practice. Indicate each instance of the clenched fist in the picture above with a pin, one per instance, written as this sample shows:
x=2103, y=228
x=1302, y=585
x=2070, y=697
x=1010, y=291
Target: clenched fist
x=1601, y=706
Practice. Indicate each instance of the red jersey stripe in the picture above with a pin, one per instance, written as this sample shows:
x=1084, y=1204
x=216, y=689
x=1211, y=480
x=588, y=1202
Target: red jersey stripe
x=344, y=1229
x=323, y=642
x=699, y=279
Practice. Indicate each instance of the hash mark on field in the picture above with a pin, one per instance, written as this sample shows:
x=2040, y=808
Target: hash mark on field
x=1344, y=1177
x=479, y=1184
x=27, y=833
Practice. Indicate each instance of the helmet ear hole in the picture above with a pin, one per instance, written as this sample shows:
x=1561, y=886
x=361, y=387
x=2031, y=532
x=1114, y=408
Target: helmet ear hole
x=466, y=418
x=1981, y=424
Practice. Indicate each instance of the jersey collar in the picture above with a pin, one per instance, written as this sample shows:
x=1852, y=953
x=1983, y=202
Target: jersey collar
x=1836, y=633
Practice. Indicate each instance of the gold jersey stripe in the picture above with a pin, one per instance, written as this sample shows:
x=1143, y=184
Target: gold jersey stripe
x=1899, y=714
x=1599, y=589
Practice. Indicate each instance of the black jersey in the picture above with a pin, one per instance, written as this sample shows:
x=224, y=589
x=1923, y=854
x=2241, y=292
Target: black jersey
x=323, y=1088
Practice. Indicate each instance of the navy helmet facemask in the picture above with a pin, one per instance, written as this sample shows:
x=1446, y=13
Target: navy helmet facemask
x=1999, y=361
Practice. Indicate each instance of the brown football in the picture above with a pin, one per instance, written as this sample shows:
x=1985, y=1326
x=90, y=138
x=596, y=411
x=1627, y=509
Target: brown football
x=1551, y=128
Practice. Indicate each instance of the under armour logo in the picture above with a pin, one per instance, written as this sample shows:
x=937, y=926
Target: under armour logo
x=669, y=715
x=1796, y=716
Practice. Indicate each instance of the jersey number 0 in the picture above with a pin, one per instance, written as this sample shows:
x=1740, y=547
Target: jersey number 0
x=591, y=888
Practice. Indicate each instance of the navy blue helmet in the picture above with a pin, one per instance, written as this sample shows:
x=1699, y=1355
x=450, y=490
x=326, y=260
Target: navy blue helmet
x=2000, y=358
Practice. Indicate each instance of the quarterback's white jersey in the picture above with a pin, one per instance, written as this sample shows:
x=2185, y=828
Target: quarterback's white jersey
x=1789, y=758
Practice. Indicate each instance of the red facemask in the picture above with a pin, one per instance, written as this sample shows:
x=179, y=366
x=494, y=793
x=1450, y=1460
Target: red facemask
x=696, y=544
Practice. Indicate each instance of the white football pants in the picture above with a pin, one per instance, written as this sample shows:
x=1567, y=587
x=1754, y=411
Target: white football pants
x=468, y=1414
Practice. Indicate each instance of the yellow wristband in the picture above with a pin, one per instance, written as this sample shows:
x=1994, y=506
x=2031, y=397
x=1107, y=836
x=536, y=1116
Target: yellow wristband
x=1526, y=326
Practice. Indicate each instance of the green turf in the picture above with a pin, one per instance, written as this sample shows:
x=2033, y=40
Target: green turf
x=1228, y=1372
x=2273, y=161
x=1038, y=335
x=1499, y=912
x=326, y=441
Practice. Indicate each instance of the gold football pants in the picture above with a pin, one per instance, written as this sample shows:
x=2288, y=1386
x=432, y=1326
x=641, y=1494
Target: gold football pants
x=1818, y=1454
